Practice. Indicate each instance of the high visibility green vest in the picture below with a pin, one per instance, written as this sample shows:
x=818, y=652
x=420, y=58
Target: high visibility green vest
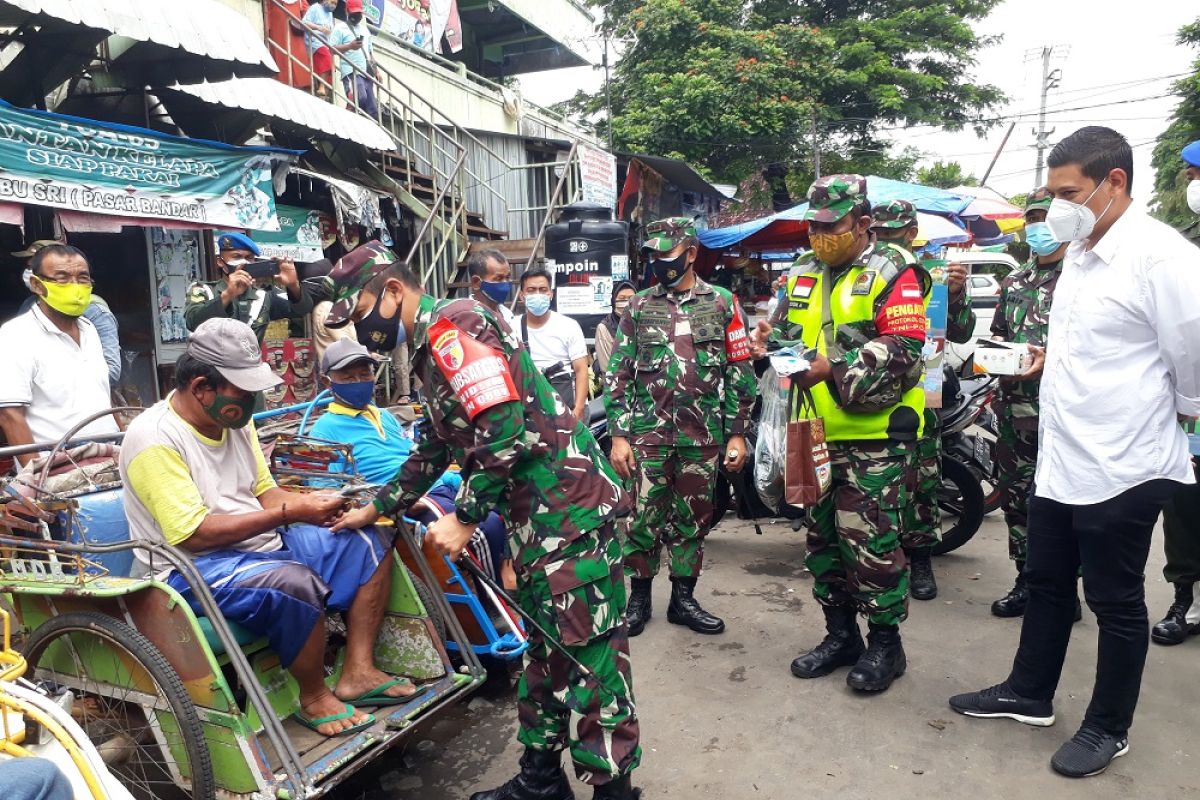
x=853, y=297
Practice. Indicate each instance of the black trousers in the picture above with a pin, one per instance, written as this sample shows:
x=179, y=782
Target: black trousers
x=1181, y=534
x=1111, y=542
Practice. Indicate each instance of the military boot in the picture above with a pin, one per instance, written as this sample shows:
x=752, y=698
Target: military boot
x=637, y=613
x=1174, y=627
x=684, y=610
x=616, y=789
x=541, y=778
x=1013, y=604
x=882, y=663
x=923, y=584
x=841, y=647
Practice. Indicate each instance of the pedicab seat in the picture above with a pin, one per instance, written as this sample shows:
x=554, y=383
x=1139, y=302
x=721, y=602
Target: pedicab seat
x=242, y=636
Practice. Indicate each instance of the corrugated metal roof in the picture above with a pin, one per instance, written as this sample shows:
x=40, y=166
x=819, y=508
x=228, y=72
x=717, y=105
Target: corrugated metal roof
x=274, y=99
x=200, y=27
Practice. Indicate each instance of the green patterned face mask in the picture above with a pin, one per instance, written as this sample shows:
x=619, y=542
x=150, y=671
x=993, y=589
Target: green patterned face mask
x=232, y=412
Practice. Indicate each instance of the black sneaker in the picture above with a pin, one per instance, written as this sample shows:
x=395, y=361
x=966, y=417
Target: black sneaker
x=1089, y=752
x=1001, y=701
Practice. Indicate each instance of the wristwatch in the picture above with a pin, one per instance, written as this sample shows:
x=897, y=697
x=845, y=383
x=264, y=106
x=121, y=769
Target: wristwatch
x=464, y=518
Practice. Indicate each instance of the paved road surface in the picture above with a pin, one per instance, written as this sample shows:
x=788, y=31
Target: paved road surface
x=723, y=718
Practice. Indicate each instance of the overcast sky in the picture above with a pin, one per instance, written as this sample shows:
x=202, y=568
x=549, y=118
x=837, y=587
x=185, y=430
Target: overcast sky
x=1107, y=51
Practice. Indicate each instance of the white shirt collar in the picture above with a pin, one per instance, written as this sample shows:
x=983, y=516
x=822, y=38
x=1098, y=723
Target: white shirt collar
x=1108, y=247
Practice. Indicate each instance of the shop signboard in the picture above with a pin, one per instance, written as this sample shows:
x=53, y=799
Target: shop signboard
x=298, y=237
x=93, y=167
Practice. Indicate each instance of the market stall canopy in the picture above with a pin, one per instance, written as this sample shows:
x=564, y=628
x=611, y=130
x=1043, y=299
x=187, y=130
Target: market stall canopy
x=242, y=103
x=149, y=42
x=991, y=217
x=81, y=165
x=935, y=231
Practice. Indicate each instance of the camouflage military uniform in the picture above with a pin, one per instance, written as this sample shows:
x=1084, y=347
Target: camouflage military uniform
x=523, y=454
x=677, y=388
x=923, y=521
x=256, y=306
x=853, y=543
x=1022, y=315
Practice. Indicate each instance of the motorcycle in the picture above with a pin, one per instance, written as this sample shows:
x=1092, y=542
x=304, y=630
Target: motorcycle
x=968, y=459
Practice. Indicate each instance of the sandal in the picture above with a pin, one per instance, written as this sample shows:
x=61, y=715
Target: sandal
x=348, y=713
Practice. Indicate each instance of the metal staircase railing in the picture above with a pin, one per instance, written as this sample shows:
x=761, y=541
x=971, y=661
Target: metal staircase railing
x=440, y=164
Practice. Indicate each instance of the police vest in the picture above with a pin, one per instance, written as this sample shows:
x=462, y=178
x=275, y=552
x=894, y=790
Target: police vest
x=853, y=298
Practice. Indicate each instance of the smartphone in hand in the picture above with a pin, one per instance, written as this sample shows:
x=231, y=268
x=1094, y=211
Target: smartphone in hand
x=261, y=270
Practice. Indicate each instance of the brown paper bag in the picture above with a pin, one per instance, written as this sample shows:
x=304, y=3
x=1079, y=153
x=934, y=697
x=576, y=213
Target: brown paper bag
x=807, y=474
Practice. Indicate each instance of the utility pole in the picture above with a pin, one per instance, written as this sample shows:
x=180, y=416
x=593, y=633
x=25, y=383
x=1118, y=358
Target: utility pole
x=1050, y=80
x=608, y=95
x=816, y=146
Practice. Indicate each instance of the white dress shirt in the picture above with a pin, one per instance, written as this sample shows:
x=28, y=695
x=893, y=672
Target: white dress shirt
x=1122, y=360
x=57, y=381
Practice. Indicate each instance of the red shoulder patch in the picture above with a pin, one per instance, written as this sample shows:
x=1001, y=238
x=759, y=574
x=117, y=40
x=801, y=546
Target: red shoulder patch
x=478, y=374
x=737, y=342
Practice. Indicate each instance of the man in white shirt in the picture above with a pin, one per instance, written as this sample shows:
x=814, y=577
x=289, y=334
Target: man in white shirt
x=54, y=374
x=555, y=341
x=1120, y=367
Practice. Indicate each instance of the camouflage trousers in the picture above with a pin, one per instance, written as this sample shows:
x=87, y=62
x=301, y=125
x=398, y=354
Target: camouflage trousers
x=675, y=487
x=1016, y=462
x=854, y=551
x=923, y=518
x=578, y=594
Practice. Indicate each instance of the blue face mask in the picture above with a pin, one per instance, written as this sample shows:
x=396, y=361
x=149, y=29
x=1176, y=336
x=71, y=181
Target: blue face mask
x=537, y=304
x=358, y=394
x=1041, y=240
x=497, y=291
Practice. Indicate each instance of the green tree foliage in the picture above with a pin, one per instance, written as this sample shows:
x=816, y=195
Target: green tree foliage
x=731, y=85
x=945, y=175
x=1170, y=184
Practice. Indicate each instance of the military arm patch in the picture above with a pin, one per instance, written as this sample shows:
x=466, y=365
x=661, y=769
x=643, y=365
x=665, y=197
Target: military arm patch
x=737, y=341
x=478, y=375
x=200, y=293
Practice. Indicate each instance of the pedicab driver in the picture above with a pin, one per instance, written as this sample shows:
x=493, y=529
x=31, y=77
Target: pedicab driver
x=196, y=478
x=524, y=454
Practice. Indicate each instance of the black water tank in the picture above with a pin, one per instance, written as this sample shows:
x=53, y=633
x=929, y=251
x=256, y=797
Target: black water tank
x=587, y=252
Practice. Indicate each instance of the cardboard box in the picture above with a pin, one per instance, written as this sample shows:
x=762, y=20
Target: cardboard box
x=994, y=357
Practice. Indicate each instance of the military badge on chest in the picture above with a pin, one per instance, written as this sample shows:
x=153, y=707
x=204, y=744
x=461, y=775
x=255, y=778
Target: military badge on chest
x=862, y=284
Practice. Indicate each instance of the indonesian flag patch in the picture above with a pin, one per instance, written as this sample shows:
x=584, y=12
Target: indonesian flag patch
x=803, y=287
x=478, y=374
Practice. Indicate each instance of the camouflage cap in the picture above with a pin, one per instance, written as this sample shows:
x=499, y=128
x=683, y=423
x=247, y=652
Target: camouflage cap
x=896, y=214
x=1038, y=198
x=665, y=235
x=352, y=272
x=830, y=198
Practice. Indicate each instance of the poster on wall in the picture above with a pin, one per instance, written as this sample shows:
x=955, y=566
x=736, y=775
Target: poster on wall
x=421, y=23
x=298, y=238
x=81, y=165
x=598, y=176
x=176, y=261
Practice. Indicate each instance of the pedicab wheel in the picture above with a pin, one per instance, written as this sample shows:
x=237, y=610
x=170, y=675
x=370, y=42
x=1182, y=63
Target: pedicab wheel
x=426, y=596
x=129, y=701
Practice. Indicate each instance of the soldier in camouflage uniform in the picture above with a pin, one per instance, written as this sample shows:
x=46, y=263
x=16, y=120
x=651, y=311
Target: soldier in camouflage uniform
x=241, y=297
x=523, y=454
x=1023, y=315
x=1181, y=515
x=861, y=306
x=896, y=224
x=679, y=385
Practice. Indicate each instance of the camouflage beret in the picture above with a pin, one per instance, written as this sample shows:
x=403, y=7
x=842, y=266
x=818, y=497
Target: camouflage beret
x=352, y=272
x=832, y=197
x=896, y=214
x=665, y=235
x=1038, y=198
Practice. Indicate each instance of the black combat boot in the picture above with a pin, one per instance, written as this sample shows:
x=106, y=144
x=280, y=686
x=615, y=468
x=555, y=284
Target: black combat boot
x=684, y=610
x=882, y=663
x=637, y=613
x=841, y=647
x=1174, y=627
x=923, y=584
x=616, y=789
x=541, y=778
x=1013, y=604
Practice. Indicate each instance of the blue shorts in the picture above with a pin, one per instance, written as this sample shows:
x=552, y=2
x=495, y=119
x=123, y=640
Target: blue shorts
x=282, y=594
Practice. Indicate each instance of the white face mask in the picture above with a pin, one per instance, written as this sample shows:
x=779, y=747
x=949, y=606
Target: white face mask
x=1193, y=196
x=28, y=273
x=1070, y=222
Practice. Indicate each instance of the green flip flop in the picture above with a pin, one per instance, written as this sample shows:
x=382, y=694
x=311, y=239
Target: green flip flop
x=349, y=713
x=379, y=696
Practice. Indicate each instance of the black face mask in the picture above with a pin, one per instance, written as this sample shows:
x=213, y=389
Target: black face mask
x=355, y=19
x=670, y=271
x=378, y=333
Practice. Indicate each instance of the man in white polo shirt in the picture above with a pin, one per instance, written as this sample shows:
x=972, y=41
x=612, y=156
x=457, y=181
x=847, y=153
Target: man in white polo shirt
x=1120, y=367
x=54, y=374
x=555, y=341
